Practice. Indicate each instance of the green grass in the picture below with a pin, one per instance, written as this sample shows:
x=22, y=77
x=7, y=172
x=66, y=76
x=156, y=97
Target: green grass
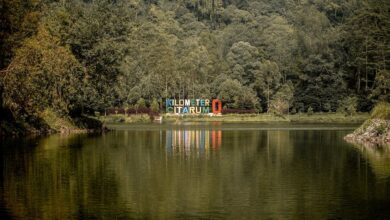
x=66, y=124
x=55, y=122
x=300, y=118
x=120, y=118
x=381, y=111
x=329, y=118
x=227, y=118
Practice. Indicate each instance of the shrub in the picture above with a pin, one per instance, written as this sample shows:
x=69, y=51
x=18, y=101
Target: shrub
x=310, y=110
x=154, y=106
x=293, y=111
x=381, y=111
x=348, y=105
x=141, y=103
x=381, y=129
x=327, y=107
x=238, y=111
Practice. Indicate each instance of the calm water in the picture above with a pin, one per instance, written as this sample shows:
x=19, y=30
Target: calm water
x=196, y=171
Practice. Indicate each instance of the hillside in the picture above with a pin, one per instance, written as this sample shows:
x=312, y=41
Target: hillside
x=79, y=57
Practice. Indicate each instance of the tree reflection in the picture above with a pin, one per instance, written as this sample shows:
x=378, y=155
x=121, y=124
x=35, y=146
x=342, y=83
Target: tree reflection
x=378, y=156
x=189, y=173
x=54, y=181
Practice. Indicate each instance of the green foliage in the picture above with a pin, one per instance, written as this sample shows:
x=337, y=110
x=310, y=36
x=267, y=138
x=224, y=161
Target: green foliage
x=381, y=111
x=267, y=80
x=310, y=110
x=126, y=119
x=327, y=107
x=56, y=121
x=141, y=103
x=18, y=20
x=43, y=74
x=282, y=100
x=79, y=56
x=293, y=111
x=154, y=106
x=322, y=83
x=348, y=105
x=235, y=95
x=242, y=58
x=228, y=91
x=366, y=37
x=382, y=89
x=381, y=129
x=247, y=100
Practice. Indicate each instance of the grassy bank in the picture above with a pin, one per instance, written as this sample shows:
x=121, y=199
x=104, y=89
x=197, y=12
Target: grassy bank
x=299, y=118
x=67, y=124
x=121, y=118
x=48, y=122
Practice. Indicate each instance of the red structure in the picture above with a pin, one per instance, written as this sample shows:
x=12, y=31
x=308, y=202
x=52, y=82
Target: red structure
x=217, y=106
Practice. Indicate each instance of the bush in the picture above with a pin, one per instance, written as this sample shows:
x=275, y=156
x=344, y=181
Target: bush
x=155, y=107
x=381, y=111
x=293, y=111
x=56, y=121
x=87, y=123
x=327, y=107
x=381, y=129
x=348, y=105
x=115, y=111
x=141, y=103
x=310, y=110
x=238, y=111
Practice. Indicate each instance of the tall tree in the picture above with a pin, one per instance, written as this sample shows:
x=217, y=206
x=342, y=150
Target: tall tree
x=267, y=80
x=43, y=74
x=366, y=40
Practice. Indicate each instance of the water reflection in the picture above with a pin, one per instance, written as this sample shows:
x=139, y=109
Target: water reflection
x=378, y=157
x=199, y=173
x=199, y=141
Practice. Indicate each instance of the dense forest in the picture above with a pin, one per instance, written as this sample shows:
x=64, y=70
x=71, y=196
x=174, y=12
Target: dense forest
x=82, y=56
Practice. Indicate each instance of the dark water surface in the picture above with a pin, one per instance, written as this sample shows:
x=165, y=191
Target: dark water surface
x=196, y=171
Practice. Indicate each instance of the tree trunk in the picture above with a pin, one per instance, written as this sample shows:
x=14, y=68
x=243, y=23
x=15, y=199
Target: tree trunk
x=212, y=14
x=358, y=81
x=384, y=56
x=366, y=64
x=1, y=100
x=166, y=86
x=267, y=97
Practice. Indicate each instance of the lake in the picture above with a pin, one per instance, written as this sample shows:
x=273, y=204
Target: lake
x=196, y=171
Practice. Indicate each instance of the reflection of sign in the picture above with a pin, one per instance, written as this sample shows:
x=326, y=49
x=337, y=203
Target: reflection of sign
x=193, y=106
x=188, y=141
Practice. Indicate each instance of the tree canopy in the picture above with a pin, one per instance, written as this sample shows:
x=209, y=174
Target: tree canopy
x=275, y=56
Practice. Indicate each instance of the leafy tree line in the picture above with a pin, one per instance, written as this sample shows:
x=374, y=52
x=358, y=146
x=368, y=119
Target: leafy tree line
x=81, y=56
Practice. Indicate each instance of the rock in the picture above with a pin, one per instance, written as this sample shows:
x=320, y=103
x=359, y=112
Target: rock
x=375, y=131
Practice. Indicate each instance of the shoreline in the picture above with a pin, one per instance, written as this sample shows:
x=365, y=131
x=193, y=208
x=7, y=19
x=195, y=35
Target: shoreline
x=262, y=117
x=371, y=133
x=50, y=123
x=42, y=133
x=375, y=130
x=101, y=124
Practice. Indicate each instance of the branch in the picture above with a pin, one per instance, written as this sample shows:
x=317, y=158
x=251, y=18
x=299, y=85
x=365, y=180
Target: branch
x=9, y=68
